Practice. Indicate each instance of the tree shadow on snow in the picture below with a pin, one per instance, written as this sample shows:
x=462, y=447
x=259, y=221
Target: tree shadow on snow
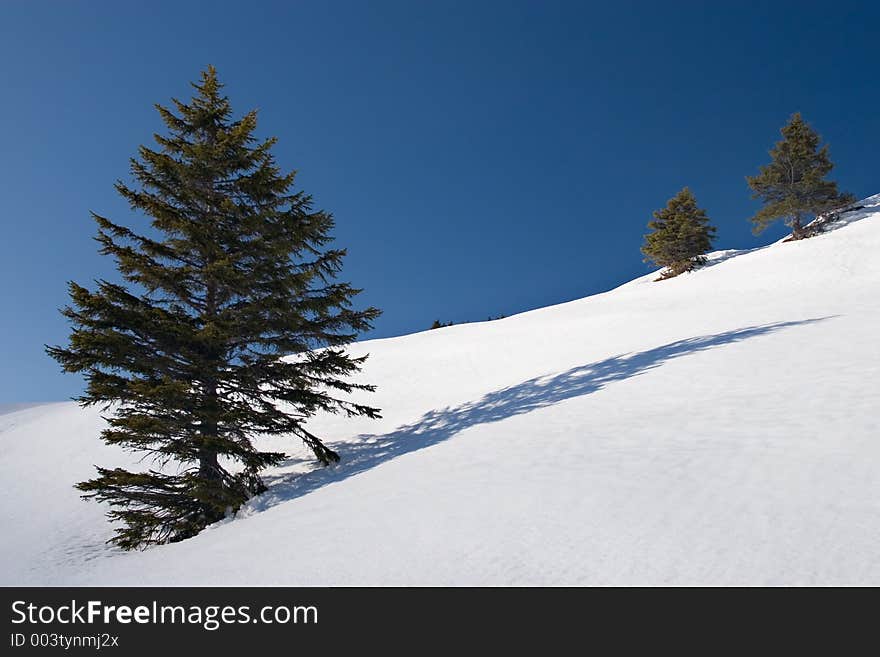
x=438, y=425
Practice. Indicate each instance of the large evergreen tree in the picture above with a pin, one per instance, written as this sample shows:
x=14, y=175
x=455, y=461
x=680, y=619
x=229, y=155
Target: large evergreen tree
x=793, y=186
x=187, y=353
x=681, y=234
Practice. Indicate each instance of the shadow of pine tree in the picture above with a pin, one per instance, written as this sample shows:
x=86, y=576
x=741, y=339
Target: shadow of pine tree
x=441, y=424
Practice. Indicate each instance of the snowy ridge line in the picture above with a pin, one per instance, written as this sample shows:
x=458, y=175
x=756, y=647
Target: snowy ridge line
x=652, y=434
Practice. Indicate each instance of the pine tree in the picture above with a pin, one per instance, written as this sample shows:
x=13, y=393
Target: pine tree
x=187, y=353
x=793, y=186
x=681, y=235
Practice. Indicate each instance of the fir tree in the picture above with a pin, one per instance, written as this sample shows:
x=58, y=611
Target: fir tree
x=235, y=274
x=793, y=186
x=681, y=234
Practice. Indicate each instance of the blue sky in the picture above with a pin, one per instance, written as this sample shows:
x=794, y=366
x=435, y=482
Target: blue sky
x=480, y=157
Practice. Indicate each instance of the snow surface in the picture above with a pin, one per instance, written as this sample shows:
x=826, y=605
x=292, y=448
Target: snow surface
x=716, y=428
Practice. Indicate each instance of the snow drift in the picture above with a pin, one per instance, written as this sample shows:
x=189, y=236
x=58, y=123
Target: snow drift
x=716, y=428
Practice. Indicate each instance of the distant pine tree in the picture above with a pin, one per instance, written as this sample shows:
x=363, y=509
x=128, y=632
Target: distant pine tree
x=681, y=234
x=235, y=274
x=792, y=186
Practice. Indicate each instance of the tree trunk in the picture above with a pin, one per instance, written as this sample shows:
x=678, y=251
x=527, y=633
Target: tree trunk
x=209, y=468
x=797, y=230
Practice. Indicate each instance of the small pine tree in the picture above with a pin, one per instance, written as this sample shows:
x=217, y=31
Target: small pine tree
x=187, y=354
x=681, y=235
x=793, y=186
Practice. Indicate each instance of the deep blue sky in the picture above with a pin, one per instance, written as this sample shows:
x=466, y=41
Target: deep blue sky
x=480, y=157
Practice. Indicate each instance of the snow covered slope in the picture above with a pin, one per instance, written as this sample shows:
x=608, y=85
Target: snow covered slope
x=716, y=428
